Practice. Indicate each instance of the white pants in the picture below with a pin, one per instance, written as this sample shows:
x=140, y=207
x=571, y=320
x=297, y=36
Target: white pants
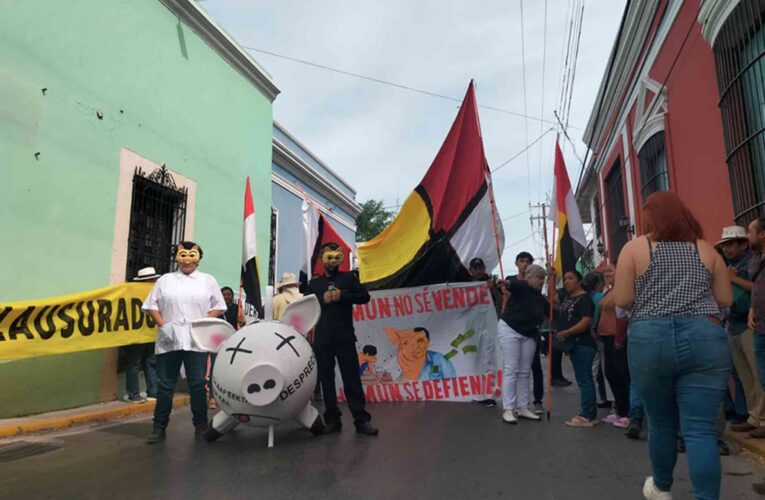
x=517, y=356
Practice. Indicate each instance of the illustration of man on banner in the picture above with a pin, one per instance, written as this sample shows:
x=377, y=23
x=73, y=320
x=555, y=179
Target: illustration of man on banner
x=414, y=358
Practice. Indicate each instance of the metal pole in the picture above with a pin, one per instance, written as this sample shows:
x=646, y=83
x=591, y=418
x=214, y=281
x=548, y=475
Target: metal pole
x=551, y=297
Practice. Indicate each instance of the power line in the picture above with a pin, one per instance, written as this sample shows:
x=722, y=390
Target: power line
x=573, y=68
x=515, y=215
x=525, y=102
x=519, y=153
x=398, y=85
x=519, y=241
x=542, y=104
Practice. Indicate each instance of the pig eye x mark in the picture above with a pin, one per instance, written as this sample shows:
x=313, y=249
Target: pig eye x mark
x=287, y=341
x=237, y=349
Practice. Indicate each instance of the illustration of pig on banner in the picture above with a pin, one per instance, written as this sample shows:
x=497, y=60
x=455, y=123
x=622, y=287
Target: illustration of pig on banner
x=265, y=373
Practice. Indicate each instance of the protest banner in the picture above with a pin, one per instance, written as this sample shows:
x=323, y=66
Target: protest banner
x=424, y=343
x=96, y=319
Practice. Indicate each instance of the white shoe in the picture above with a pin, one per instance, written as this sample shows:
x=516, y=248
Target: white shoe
x=527, y=414
x=509, y=417
x=651, y=492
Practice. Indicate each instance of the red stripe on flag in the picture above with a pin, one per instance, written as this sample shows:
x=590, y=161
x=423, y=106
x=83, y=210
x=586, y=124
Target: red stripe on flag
x=249, y=207
x=562, y=184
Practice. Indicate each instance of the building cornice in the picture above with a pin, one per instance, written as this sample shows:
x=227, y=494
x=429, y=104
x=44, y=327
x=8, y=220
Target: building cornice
x=312, y=155
x=633, y=35
x=208, y=30
x=299, y=168
x=599, y=157
x=712, y=16
x=281, y=181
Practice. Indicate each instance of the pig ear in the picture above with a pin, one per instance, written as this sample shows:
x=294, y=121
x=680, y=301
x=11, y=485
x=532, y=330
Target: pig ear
x=393, y=335
x=210, y=333
x=303, y=314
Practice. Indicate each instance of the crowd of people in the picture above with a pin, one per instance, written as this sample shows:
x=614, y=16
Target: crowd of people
x=668, y=329
x=654, y=328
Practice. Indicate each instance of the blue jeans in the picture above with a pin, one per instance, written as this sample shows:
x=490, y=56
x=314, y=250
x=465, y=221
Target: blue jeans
x=680, y=366
x=168, y=369
x=759, y=356
x=636, y=404
x=582, y=357
x=140, y=356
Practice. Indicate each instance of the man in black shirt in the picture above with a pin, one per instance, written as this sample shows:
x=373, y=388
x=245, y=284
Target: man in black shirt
x=337, y=292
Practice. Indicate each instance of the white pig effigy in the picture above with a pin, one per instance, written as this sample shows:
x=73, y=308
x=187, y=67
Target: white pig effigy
x=265, y=373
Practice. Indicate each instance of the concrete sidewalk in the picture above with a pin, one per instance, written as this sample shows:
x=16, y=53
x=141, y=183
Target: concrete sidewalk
x=63, y=419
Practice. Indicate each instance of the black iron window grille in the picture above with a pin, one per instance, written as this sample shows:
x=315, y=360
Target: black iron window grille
x=654, y=173
x=272, y=249
x=157, y=221
x=616, y=210
x=739, y=50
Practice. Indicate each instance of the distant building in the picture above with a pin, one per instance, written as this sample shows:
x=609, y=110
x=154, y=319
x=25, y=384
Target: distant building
x=125, y=127
x=682, y=111
x=296, y=173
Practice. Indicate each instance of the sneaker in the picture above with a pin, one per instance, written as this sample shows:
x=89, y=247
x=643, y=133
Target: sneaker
x=490, y=403
x=651, y=492
x=508, y=417
x=622, y=422
x=539, y=409
x=157, y=435
x=633, y=431
x=135, y=400
x=333, y=426
x=151, y=398
x=527, y=414
x=560, y=382
x=610, y=419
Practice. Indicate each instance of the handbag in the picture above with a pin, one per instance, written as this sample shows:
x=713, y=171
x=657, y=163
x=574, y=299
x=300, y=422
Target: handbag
x=565, y=345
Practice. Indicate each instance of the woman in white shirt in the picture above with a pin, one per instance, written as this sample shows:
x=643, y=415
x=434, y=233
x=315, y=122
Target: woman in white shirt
x=177, y=299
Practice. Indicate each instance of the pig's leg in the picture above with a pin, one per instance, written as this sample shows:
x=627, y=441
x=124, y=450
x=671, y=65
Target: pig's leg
x=311, y=420
x=221, y=424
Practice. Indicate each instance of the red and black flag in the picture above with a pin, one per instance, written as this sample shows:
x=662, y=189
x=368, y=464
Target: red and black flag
x=564, y=212
x=250, y=280
x=449, y=219
x=317, y=232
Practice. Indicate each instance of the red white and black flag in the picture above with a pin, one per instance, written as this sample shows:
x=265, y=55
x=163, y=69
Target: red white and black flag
x=317, y=232
x=250, y=280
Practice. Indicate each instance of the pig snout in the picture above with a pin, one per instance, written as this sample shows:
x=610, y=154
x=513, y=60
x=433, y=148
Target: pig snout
x=262, y=384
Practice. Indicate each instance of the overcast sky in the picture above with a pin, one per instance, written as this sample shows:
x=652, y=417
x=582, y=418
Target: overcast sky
x=382, y=139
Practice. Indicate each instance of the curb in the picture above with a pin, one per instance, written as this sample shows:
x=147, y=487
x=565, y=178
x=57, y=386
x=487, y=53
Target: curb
x=58, y=423
x=756, y=446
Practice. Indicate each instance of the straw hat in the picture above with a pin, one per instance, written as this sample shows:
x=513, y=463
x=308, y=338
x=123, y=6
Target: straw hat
x=732, y=233
x=287, y=280
x=146, y=274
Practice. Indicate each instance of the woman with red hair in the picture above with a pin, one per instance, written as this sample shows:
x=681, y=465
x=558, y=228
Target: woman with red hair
x=674, y=284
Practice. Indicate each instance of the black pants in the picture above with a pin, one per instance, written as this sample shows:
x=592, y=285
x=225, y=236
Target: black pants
x=618, y=374
x=557, y=363
x=168, y=369
x=348, y=361
x=536, y=374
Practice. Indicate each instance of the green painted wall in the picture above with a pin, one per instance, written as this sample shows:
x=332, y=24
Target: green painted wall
x=164, y=94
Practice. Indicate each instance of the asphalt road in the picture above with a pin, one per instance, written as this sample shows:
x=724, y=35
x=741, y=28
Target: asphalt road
x=425, y=450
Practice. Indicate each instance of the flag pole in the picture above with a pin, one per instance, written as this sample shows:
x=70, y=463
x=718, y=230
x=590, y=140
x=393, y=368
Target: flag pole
x=550, y=296
x=494, y=218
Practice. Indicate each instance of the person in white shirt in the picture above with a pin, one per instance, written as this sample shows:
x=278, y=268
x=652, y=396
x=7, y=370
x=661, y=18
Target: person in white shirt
x=177, y=299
